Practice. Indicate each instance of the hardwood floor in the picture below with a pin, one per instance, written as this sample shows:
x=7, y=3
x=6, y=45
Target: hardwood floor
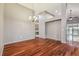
x=40, y=47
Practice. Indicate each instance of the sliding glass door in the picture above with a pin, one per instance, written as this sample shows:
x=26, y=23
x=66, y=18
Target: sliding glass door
x=72, y=32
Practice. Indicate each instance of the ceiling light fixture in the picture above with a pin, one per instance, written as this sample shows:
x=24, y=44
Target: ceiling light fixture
x=70, y=16
x=33, y=18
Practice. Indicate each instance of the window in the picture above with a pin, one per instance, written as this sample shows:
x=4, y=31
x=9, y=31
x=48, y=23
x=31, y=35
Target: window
x=73, y=32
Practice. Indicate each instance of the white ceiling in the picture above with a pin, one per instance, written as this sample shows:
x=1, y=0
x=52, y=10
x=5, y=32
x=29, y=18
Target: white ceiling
x=40, y=7
x=27, y=5
x=53, y=8
x=75, y=9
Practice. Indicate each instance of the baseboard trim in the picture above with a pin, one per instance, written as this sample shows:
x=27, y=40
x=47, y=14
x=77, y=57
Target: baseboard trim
x=46, y=38
x=29, y=40
x=18, y=42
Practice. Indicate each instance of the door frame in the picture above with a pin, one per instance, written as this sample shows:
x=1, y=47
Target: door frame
x=52, y=21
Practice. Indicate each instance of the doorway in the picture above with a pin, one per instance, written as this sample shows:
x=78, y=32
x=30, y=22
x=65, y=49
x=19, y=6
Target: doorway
x=53, y=29
x=73, y=31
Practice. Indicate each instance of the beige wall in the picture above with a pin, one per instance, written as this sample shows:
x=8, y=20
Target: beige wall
x=1, y=28
x=17, y=25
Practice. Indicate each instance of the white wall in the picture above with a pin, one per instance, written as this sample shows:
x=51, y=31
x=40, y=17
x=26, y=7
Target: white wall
x=52, y=8
x=17, y=24
x=42, y=27
x=63, y=23
x=62, y=16
x=16, y=21
x=58, y=9
x=1, y=27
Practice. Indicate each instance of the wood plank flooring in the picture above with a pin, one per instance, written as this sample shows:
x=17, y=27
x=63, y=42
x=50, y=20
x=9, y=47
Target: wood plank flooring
x=40, y=47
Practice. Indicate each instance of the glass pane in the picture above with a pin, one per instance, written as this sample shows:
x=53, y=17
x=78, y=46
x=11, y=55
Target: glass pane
x=69, y=37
